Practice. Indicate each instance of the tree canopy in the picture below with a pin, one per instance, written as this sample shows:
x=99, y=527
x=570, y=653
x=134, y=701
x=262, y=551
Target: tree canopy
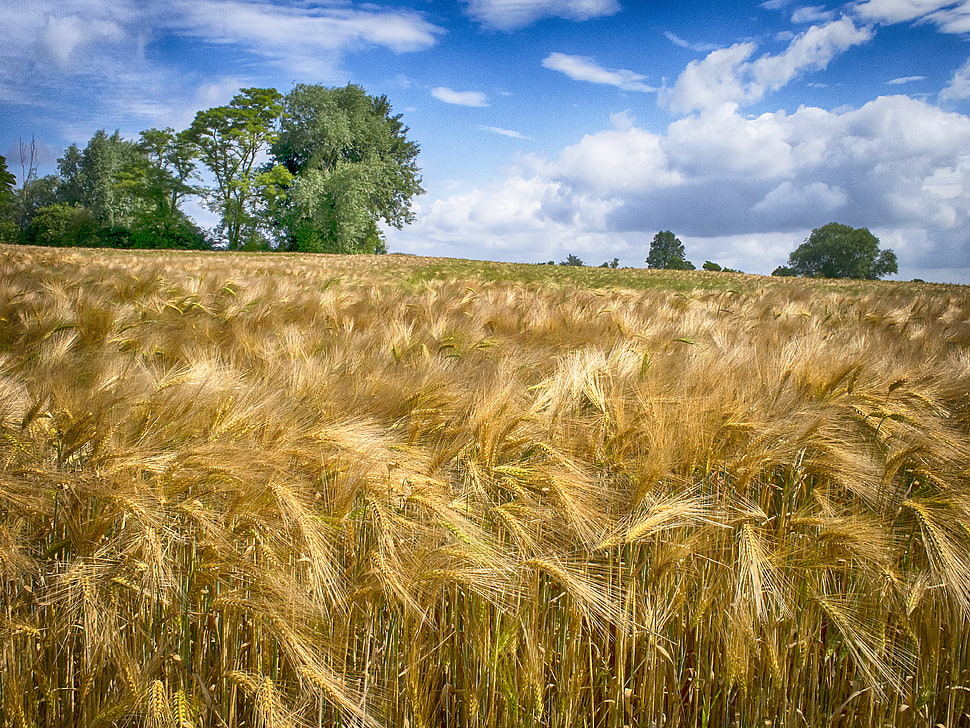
x=316, y=170
x=666, y=251
x=229, y=140
x=352, y=166
x=840, y=251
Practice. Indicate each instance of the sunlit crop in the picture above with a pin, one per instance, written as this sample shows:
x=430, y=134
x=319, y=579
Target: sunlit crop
x=278, y=490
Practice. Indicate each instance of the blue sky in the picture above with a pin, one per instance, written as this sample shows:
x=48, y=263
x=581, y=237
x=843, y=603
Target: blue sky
x=550, y=127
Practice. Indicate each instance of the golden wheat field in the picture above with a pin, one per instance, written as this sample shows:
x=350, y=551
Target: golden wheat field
x=272, y=490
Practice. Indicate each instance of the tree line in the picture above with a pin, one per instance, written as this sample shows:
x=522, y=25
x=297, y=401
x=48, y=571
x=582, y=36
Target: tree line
x=831, y=251
x=315, y=170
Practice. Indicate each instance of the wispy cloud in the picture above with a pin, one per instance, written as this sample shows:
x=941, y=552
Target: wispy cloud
x=459, y=98
x=580, y=68
x=511, y=133
x=905, y=79
x=697, y=47
x=812, y=14
x=49, y=44
x=516, y=14
x=308, y=39
x=949, y=15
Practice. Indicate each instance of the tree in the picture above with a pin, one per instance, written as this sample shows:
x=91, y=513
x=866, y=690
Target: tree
x=171, y=165
x=666, y=251
x=61, y=224
x=98, y=178
x=8, y=227
x=352, y=166
x=840, y=251
x=572, y=260
x=230, y=140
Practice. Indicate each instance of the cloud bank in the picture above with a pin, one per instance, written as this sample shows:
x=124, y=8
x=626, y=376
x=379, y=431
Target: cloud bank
x=894, y=164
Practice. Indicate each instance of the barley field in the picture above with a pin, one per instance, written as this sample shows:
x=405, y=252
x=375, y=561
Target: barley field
x=270, y=490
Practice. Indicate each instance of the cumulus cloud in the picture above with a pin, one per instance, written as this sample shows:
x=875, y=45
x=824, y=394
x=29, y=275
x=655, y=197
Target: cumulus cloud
x=580, y=68
x=959, y=86
x=459, y=98
x=729, y=76
x=510, y=15
x=895, y=164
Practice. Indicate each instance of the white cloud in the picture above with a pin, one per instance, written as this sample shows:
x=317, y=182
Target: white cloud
x=459, y=98
x=306, y=39
x=902, y=11
x=905, y=79
x=894, y=165
x=681, y=43
x=580, y=68
x=85, y=61
x=812, y=14
x=728, y=76
x=959, y=86
x=950, y=16
x=511, y=133
x=516, y=14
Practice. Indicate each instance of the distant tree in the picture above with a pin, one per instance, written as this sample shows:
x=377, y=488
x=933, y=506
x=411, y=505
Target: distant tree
x=615, y=263
x=352, y=166
x=711, y=266
x=572, y=260
x=783, y=271
x=666, y=251
x=840, y=251
x=230, y=141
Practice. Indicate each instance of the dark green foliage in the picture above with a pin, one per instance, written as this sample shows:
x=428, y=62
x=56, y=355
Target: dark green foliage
x=229, y=140
x=8, y=226
x=61, y=225
x=615, y=263
x=352, y=166
x=783, y=271
x=840, y=251
x=343, y=166
x=717, y=268
x=667, y=252
x=101, y=178
x=572, y=260
x=7, y=182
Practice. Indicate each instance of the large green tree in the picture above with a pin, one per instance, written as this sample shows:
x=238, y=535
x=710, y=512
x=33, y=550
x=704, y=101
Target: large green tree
x=96, y=178
x=230, y=141
x=666, y=251
x=841, y=251
x=352, y=166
